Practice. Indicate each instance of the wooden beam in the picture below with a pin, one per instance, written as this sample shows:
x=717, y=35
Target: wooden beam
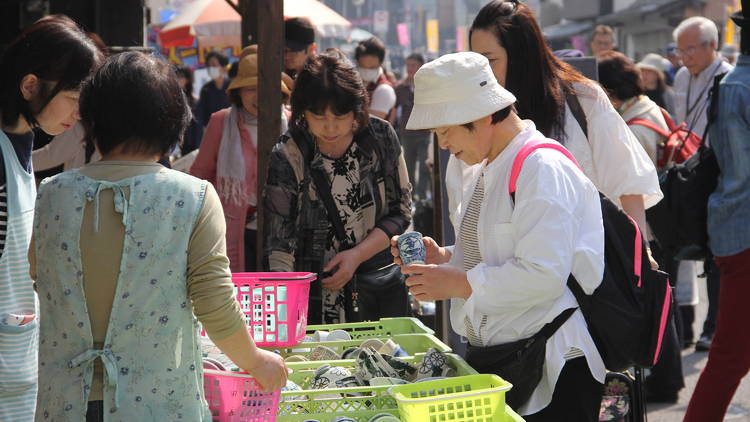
x=270, y=37
x=248, y=10
x=235, y=7
x=442, y=327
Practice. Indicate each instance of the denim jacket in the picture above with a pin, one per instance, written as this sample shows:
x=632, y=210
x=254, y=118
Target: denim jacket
x=729, y=205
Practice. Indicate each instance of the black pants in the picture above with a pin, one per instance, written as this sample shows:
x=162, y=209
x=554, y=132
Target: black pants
x=377, y=302
x=577, y=396
x=250, y=250
x=666, y=376
x=95, y=411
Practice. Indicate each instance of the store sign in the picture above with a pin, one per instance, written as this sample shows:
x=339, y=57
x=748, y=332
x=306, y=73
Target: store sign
x=380, y=21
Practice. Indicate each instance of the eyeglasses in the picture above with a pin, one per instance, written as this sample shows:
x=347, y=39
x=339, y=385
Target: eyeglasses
x=690, y=51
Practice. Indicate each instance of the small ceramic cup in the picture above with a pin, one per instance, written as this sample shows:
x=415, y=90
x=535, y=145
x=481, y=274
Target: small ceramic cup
x=323, y=353
x=411, y=248
x=384, y=417
x=326, y=376
x=338, y=335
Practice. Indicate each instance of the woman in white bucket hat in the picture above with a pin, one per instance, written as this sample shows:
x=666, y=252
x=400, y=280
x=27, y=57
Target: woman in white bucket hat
x=566, y=106
x=654, y=80
x=507, y=273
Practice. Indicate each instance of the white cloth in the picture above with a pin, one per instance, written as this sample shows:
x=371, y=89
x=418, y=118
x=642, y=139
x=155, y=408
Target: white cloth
x=230, y=163
x=611, y=155
x=686, y=288
x=383, y=99
x=528, y=251
x=699, y=86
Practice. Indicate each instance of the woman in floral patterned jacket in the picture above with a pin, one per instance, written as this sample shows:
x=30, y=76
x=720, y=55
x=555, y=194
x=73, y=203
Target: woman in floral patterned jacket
x=365, y=174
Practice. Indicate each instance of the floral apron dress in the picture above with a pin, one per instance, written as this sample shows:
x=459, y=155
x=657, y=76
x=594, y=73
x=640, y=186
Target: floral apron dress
x=151, y=355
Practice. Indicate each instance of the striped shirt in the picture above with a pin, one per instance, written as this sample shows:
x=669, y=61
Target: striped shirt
x=23, y=145
x=472, y=254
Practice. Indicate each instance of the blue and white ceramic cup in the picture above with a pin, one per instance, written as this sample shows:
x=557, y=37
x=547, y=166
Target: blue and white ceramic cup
x=411, y=248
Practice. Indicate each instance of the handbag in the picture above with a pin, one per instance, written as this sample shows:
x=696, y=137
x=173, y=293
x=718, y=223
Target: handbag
x=377, y=273
x=520, y=362
x=679, y=221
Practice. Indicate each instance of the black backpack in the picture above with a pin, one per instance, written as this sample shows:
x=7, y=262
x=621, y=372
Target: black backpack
x=679, y=220
x=627, y=314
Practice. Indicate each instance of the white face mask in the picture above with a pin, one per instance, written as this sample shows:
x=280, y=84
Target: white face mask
x=214, y=72
x=368, y=75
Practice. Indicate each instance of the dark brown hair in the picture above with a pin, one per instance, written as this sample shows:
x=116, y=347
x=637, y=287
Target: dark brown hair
x=134, y=87
x=537, y=78
x=328, y=81
x=370, y=47
x=57, y=52
x=619, y=76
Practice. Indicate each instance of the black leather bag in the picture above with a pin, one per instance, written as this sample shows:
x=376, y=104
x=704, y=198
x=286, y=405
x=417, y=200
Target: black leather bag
x=520, y=362
x=679, y=221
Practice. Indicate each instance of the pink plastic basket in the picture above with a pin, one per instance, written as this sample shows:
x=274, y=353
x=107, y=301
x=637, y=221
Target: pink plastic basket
x=275, y=306
x=235, y=397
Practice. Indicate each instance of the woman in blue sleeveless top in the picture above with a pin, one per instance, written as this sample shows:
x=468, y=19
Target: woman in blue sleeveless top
x=40, y=77
x=128, y=257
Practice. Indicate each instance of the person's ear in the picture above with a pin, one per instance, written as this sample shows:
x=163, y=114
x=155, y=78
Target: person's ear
x=312, y=49
x=485, y=121
x=29, y=86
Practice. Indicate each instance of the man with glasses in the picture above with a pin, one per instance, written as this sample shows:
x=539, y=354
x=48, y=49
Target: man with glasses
x=697, y=39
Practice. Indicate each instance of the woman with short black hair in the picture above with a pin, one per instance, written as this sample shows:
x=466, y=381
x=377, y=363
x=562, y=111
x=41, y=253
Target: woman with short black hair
x=337, y=190
x=621, y=79
x=41, y=73
x=130, y=255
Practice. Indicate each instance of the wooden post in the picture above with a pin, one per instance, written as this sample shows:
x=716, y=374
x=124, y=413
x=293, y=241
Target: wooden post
x=270, y=38
x=442, y=327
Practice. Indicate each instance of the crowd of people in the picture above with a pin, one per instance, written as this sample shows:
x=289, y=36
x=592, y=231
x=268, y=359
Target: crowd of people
x=104, y=271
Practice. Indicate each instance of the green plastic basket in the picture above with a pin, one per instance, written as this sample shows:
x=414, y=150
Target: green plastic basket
x=303, y=372
x=471, y=398
x=385, y=327
x=411, y=343
x=359, y=403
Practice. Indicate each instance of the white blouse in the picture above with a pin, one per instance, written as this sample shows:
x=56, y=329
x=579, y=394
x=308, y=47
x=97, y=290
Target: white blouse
x=528, y=250
x=611, y=156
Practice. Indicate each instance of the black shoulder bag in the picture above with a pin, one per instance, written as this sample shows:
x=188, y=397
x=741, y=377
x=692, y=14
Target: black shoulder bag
x=378, y=273
x=520, y=362
x=679, y=221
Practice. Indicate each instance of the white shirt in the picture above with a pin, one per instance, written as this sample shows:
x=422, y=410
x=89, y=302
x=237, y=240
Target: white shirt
x=698, y=86
x=611, y=156
x=67, y=148
x=554, y=229
x=383, y=98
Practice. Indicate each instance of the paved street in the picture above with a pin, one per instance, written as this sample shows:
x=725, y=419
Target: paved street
x=693, y=363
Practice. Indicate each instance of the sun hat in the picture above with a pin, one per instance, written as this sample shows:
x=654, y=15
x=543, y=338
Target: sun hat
x=247, y=75
x=456, y=89
x=653, y=61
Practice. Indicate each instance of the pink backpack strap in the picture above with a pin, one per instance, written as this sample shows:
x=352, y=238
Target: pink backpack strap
x=527, y=149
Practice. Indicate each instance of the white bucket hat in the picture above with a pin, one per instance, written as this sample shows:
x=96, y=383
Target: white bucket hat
x=456, y=89
x=655, y=62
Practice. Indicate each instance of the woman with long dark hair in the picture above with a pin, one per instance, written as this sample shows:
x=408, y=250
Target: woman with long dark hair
x=337, y=191
x=565, y=106
x=41, y=73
